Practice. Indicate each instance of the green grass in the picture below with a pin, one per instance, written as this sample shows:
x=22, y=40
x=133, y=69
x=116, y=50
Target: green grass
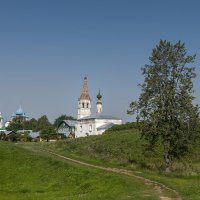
x=32, y=175
x=126, y=149
x=123, y=148
x=187, y=185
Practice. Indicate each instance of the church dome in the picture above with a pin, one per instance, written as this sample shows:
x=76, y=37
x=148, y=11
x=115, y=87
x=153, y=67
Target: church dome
x=99, y=96
x=19, y=111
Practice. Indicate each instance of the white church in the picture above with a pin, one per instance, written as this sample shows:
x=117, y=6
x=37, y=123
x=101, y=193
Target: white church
x=88, y=123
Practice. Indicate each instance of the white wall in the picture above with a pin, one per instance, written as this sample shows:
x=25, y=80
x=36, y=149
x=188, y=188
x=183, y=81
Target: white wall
x=84, y=111
x=89, y=127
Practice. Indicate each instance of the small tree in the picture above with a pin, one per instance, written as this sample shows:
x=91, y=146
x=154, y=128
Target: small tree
x=47, y=132
x=165, y=105
x=16, y=124
x=45, y=127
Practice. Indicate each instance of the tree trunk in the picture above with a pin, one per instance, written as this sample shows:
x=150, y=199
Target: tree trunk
x=167, y=157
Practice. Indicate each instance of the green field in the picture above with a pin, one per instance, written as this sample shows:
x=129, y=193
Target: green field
x=125, y=149
x=34, y=175
x=27, y=172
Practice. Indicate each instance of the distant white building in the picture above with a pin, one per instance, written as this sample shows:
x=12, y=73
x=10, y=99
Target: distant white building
x=1, y=121
x=88, y=123
x=92, y=124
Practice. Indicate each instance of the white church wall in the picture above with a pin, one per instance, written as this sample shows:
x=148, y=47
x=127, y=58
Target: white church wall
x=101, y=122
x=89, y=127
x=85, y=128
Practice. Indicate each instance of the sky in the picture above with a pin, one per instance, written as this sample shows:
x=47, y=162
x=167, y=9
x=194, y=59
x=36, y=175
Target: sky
x=47, y=47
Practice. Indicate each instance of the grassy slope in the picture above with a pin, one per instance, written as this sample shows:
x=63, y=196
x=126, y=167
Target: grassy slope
x=124, y=148
x=30, y=175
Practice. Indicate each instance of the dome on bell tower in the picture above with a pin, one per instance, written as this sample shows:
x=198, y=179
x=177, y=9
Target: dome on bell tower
x=99, y=96
x=99, y=102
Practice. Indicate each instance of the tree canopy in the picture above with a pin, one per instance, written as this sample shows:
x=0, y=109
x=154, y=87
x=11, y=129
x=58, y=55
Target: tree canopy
x=45, y=127
x=165, y=106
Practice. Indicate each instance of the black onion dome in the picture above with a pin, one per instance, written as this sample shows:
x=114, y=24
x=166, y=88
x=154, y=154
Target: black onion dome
x=99, y=96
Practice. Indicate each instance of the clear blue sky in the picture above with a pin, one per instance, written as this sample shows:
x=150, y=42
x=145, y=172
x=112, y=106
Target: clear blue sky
x=48, y=46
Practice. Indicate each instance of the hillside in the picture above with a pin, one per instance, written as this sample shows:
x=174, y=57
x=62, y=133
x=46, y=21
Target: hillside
x=34, y=175
x=125, y=149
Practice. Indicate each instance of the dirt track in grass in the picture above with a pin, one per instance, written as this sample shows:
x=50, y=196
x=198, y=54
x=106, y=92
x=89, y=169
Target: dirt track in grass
x=158, y=188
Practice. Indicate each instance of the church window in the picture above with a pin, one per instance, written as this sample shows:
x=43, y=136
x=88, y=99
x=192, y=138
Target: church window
x=80, y=128
x=83, y=105
x=87, y=105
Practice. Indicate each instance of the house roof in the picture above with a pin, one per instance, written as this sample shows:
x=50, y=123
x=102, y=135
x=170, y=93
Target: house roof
x=70, y=123
x=34, y=134
x=8, y=132
x=98, y=116
x=105, y=126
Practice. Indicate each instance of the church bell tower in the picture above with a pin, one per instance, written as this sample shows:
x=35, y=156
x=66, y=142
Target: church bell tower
x=84, y=102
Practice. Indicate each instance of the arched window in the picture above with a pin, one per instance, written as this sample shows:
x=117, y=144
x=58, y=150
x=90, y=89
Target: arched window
x=87, y=105
x=90, y=128
x=83, y=105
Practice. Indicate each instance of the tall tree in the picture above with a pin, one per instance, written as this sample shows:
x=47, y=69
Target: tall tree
x=34, y=123
x=165, y=105
x=45, y=127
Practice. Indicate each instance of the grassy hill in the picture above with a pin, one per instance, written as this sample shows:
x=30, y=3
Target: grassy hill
x=32, y=175
x=124, y=148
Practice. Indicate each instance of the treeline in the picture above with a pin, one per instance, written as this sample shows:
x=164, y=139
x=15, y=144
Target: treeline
x=42, y=125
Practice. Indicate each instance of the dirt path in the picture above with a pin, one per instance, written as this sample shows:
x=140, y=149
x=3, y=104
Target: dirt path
x=157, y=187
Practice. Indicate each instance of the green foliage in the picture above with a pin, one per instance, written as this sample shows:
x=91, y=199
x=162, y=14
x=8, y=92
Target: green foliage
x=165, y=105
x=34, y=176
x=31, y=125
x=45, y=127
x=60, y=119
x=16, y=124
x=15, y=137
x=42, y=124
x=19, y=123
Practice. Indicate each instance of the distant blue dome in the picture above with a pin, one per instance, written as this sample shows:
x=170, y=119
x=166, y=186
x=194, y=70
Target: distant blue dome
x=20, y=111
